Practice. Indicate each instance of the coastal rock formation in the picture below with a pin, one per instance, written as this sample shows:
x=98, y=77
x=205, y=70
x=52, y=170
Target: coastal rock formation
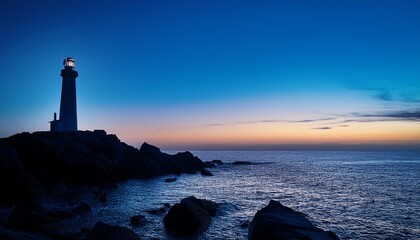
x=276, y=222
x=33, y=162
x=190, y=216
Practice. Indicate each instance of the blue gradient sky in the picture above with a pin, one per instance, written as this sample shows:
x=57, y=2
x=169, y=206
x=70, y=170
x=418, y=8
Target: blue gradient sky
x=185, y=74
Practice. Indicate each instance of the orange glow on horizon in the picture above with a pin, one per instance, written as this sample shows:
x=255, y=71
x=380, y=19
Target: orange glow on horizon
x=278, y=133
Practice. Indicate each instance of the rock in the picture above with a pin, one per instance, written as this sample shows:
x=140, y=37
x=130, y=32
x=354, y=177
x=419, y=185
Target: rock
x=29, y=219
x=206, y=172
x=242, y=163
x=157, y=211
x=279, y=222
x=244, y=224
x=170, y=180
x=82, y=208
x=81, y=158
x=103, y=231
x=190, y=216
x=138, y=220
x=218, y=162
x=13, y=234
x=209, y=164
x=16, y=183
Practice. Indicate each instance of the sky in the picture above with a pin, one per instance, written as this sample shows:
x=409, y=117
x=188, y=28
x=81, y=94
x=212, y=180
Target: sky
x=213, y=74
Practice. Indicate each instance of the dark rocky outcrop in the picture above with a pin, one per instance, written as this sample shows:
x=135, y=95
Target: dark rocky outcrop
x=190, y=216
x=33, y=162
x=103, y=231
x=276, y=222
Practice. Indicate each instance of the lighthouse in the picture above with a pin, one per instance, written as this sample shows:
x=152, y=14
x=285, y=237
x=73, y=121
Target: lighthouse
x=68, y=109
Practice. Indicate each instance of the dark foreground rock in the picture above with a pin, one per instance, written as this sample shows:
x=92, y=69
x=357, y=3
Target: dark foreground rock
x=276, y=222
x=103, y=231
x=190, y=216
x=13, y=234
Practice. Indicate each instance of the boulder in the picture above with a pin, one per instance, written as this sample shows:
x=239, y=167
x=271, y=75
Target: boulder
x=157, y=211
x=190, y=216
x=103, y=231
x=137, y=220
x=206, y=172
x=218, y=162
x=276, y=222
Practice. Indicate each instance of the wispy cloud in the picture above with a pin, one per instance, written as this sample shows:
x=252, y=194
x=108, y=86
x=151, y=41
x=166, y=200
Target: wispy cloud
x=388, y=95
x=326, y=123
x=322, y=128
x=251, y=122
x=393, y=116
x=384, y=96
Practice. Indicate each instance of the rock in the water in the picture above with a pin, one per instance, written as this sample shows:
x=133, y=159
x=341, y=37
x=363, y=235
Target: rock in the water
x=191, y=216
x=206, y=172
x=276, y=222
x=209, y=164
x=103, y=231
x=157, y=211
x=244, y=224
x=170, y=180
x=242, y=163
x=138, y=220
x=218, y=162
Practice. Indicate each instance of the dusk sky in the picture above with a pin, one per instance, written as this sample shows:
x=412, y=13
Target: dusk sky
x=218, y=74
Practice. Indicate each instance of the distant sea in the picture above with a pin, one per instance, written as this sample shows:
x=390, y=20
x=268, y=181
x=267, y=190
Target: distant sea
x=358, y=195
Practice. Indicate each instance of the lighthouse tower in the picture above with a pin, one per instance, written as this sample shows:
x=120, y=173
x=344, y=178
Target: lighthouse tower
x=68, y=110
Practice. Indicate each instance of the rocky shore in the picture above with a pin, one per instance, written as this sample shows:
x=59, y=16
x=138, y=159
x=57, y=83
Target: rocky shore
x=34, y=165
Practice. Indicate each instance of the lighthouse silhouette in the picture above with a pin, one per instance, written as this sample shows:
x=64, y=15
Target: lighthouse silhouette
x=68, y=109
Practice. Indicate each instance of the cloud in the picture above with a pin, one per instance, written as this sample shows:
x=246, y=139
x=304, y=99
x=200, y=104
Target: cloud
x=322, y=128
x=397, y=115
x=250, y=122
x=384, y=96
x=387, y=95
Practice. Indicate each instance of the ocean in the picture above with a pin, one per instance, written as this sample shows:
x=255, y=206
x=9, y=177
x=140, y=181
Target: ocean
x=357, y=195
